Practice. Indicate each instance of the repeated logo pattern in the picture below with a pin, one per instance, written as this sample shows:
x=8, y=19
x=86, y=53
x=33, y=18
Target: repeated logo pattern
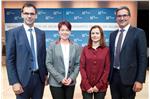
x=82, y=19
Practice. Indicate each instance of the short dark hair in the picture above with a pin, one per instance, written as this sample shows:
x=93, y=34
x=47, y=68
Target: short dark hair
x=102, y=40
x=124, y=7
x=66, y=23
x=29, y=5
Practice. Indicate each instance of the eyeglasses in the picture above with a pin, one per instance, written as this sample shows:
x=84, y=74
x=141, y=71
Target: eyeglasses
x=124, y=16
x=26, y=13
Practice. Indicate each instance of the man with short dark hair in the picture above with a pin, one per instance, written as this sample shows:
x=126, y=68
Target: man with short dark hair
x=128, y=57
x=25, y=57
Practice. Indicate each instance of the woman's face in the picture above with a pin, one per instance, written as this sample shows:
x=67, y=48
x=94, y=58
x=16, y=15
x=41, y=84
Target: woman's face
x=64, y=32
x=95, y=35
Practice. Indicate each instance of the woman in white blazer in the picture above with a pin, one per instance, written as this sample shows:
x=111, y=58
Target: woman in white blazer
x=62, y=62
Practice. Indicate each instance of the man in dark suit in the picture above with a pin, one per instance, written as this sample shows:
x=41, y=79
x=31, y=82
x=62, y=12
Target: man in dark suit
x=25, y=56
x=128, y=57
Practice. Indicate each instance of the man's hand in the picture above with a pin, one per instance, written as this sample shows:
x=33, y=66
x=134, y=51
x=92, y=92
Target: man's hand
x=17, y=88
x=137, y=87
x=46, y=80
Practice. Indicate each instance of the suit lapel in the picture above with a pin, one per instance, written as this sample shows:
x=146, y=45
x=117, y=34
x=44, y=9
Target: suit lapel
x=128, y=35
x=70, y=52
x=113, y=40
x=59, y=50
x=37, y=40
x=25, y=39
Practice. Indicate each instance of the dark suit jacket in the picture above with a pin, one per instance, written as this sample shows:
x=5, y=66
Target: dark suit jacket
x=19, y=56
x=132, y=56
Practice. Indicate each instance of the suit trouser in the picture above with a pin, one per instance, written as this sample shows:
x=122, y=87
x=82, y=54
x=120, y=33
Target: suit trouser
x=98, y=95
x=34, y=89
x=119, y=90
x=64, y=92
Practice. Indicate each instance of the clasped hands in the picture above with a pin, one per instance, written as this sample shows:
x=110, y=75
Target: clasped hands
x=92, y=89
x=66, y=81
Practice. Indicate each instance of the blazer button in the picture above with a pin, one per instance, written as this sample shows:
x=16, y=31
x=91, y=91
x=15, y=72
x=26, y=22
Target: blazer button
x=30, y=68
x=94, y=62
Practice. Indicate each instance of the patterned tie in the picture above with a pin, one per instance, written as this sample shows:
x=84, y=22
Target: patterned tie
x=118, y=49
x=33, y=50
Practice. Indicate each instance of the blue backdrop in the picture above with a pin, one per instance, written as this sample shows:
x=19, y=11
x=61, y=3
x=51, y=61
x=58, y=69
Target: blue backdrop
x=82, y=19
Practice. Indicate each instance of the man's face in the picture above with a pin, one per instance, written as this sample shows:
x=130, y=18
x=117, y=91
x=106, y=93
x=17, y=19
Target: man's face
x=29, y=15
x=122, y=18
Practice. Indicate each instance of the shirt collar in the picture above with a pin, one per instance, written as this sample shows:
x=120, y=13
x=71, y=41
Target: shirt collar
x=125, y=28
x=27, y=27
x=58, y=41
x=90, y=47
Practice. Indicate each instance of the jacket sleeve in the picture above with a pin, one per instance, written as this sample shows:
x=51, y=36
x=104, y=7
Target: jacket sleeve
x=11, y=58
x=142, y=56
x=84, y=80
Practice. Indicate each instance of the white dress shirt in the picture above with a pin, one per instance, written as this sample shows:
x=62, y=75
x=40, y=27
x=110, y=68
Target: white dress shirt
x=65, y=50
x=123, y=38
x=124, y=35
x=35, y=42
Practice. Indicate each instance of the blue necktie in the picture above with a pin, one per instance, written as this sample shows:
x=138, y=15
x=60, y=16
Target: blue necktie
x=118, y=49
x=33, y=50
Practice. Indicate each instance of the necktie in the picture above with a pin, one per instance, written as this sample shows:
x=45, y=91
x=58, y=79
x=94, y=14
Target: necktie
x=33, y=50
x=118, y=48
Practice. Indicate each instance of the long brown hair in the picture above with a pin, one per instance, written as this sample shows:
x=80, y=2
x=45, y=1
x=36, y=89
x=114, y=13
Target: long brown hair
x=102, y=40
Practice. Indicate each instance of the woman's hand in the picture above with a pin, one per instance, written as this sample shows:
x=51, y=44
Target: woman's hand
x=90, y=90
x=95, y=89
